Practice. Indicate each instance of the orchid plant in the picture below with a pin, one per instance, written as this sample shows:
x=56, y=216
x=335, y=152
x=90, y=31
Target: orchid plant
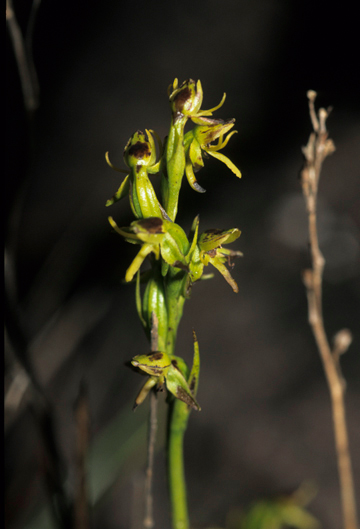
x=177, y=261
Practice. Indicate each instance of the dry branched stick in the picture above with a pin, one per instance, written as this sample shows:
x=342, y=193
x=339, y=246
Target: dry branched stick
x=148, y=518
x=318, y=148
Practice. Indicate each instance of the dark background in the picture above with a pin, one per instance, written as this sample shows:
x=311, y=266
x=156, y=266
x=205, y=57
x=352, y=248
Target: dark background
x=265, y=425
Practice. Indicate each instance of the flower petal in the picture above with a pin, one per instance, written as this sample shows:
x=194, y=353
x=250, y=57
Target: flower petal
x=189, y=171
x=177, y=385
x=121, y=192
x=211, y=239
x=211, y=110
x=225, y=273
x=226, y=161
x=221, y=143
x=193, y=379
x=139, y=259
x=195, y=154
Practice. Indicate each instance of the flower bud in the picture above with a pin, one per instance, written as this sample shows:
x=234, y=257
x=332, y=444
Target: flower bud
x=185, y=100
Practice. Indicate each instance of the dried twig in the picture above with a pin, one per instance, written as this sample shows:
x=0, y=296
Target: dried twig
x=318, y=148
x=148, y=518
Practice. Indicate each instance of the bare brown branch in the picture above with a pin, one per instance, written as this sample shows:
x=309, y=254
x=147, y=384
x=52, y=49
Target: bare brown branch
x=315, y=152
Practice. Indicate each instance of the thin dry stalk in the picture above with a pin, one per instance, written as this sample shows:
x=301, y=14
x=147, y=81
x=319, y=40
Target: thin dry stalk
x=318, y=148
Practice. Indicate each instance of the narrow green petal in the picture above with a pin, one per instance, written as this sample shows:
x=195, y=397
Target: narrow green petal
x=190, y=175
x=193, y=379
x=226, y=161
x=194, y=232
x=138, y=300
x=127, y=233
x=152, y=147
x=150, y=383
x=113, y=166
x=177, y=385
x=211, y=110
x=225, y=273
x=121, y=192
x=199, y=95
x=221, y=143
x=138, y=261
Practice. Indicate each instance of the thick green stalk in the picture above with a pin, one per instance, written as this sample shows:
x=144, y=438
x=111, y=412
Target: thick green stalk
x=178, y=413
x=178, y=419
x=175, y=305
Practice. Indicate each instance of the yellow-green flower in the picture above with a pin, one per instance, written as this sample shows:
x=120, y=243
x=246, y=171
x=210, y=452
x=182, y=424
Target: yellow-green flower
x=199, y=140
x=157, y=236
x=185, y=103
x=186, y=100
x=211, y=251
x=172, y=371
x=140, y=157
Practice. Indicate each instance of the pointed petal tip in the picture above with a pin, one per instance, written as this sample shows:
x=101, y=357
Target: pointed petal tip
x=197, y=187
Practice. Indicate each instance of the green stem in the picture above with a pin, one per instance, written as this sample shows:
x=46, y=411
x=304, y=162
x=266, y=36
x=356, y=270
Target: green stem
x=175, y=306
x=179, y=414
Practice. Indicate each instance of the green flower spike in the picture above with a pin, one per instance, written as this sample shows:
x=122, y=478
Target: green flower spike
x=185, y=103
x=156, y=236
x=168, y=369
x=199, y=139
x=211, y=251
x=140, y=157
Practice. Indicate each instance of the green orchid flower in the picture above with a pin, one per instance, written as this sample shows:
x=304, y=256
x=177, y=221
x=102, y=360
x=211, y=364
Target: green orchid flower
x=199, y=140
x=140, y=157
x=185, y=102
x=157, y=236
x=211, y=251
x=171, y=371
